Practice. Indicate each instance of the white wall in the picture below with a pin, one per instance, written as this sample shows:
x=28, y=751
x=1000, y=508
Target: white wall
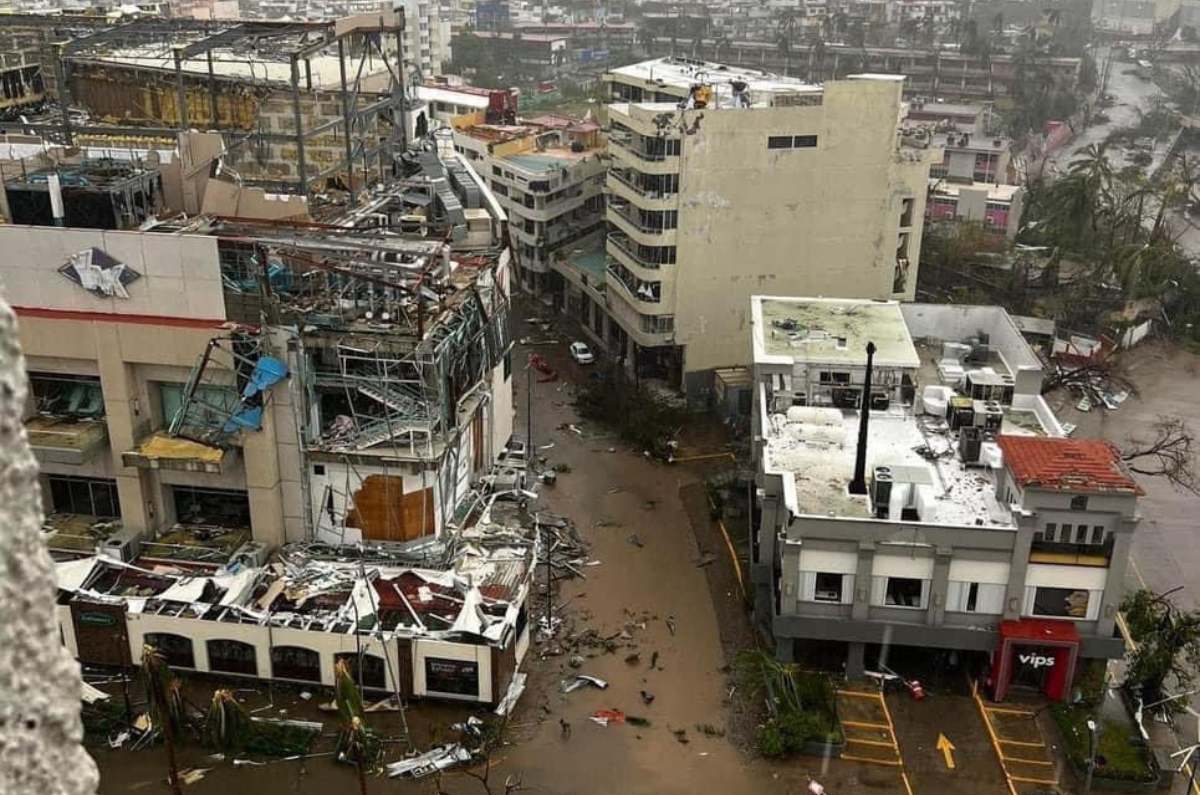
x=180, y=276
x=482, y=655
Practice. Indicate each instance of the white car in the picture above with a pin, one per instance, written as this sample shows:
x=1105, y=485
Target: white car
x=581, y=353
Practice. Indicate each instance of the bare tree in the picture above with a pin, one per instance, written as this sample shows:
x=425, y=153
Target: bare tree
x=1167, y=454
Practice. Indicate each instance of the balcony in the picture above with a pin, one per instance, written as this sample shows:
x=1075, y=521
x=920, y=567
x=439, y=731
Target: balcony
x=1068, y=554
x=162, y=451
x=59, y=440
x=643, y=294
x=627, y=152
x=626, y=251
x=625, y=184
x=630, y=221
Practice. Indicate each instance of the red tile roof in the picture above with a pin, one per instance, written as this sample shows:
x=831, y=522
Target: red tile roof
x=1074, y=465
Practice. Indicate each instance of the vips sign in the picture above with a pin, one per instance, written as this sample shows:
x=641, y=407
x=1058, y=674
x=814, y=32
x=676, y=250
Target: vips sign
x=1036, y=660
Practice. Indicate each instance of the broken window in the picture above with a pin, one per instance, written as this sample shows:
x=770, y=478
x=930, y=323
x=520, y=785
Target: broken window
x=220, y=507
x=373, y=669
x=906, y=212
x=295, y=662
x=210, y=405
x=828, y=587
x=1079, y=503
x=903, y=592
x=77, y=396
x=175, y=649
x=232, y=657
x=1060, y=602
x=87, y=496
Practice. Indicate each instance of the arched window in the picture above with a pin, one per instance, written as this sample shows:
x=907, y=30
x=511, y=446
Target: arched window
x=232, y=657
x=373, y=666
x=176, y=649
x=295, y=662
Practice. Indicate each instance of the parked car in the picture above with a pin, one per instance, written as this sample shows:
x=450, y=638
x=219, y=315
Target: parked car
x=581, y=353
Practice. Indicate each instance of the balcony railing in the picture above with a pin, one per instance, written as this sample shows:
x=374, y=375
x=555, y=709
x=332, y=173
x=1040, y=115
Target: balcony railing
x=627, y=146
x=644, y=295
x=630, y=216
x=630, y=250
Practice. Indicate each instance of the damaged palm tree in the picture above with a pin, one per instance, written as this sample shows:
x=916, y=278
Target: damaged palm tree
x=227, y=725
x=356, y=743
x=166, y=706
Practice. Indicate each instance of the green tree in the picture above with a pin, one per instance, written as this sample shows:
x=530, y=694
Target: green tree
x=356, y=742
x=1167, y=652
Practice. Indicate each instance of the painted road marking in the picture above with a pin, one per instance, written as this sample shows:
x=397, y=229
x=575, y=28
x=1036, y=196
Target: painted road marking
x=1009, y=777
x=887, y=729
x=947, y=748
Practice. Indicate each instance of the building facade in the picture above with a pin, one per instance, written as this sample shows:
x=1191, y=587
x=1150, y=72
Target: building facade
x=722, y=182
x=964, y=522
x=426, y=35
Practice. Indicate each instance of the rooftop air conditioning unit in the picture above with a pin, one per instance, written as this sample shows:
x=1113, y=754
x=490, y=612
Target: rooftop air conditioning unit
x=970, y=445
x=123, y=546
x=881, y=491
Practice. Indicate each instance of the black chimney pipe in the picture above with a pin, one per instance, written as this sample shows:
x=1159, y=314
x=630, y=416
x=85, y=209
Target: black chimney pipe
x=859, y=484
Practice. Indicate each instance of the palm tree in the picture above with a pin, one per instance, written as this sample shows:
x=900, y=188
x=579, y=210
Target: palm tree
x=166, y=706
x=356, y=742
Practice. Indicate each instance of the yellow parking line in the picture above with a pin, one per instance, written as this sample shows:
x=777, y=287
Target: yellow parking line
x=861, y=725
x=1021, y=743
x=1010, y=711
x=1023, y=780
x=860, y=694
x=880, y=743
x=987, y=724
x=1028, y=761
x=884, y=762
x=887, y=714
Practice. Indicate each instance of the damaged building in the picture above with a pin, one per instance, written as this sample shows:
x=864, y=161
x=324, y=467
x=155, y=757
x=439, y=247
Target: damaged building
x=446, y=620
x=309, y=108
x=206, y=388
x=915, y=491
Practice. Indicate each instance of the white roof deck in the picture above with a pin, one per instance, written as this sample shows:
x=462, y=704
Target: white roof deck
x=831, y=331
x=816, y=448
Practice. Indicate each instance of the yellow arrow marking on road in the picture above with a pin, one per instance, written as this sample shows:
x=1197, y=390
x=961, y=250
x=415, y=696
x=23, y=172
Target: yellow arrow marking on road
x=947, y=748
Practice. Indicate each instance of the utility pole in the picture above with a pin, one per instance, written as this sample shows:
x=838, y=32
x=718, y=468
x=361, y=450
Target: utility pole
x=529, y=452
x=1091, y=762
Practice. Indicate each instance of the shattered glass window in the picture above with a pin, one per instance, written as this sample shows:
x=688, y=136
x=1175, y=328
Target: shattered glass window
x=73, y=396
x=210, y=407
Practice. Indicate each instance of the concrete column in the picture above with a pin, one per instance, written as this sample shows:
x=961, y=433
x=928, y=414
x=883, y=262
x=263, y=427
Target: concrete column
x=935, y=615
x=860, y=609
x=1015, y=596
x=856, y=654
x=126, y=423
x=1114, y=586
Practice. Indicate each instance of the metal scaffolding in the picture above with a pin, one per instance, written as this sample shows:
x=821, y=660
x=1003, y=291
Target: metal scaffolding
x=208, y=59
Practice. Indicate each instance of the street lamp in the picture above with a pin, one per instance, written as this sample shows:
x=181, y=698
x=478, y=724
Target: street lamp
x=1091, y=762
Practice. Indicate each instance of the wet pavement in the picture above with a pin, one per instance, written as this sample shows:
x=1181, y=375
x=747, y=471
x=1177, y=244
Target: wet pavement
x=696, y=739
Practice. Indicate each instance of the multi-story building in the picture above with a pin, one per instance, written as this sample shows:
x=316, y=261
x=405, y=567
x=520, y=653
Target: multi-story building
x=548, y=174
x=997, y=206
x=1135, y=17
x=205, y=384
x=967, y=157
x=955, y=516
x=723, y=181
x=426, y=35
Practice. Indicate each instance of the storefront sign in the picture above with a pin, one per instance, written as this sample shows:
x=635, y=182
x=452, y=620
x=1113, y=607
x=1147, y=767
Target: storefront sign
x=97, y=620
x=1036, y=660
x=99, y=274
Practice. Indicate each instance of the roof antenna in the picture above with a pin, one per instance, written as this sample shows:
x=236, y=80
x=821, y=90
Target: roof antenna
x=859, y=484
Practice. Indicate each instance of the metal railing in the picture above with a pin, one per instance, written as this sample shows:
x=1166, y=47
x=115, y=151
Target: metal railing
x=625, y=245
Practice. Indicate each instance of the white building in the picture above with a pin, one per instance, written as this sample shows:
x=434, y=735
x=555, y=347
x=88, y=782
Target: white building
x=426, y=36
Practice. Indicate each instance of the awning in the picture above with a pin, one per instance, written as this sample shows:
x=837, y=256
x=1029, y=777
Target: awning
x=1034, y=630
x=915, y=567
x=70, y=575
x=987, y=572
x=1080, y=578
x=828, y=561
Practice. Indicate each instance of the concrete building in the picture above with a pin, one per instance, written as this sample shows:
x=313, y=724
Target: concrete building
x=964, y=521
x=548, y=173
x=426, y=35
x=998, y=207
x=725, y=181
x=1135, y=17
x=204, y=389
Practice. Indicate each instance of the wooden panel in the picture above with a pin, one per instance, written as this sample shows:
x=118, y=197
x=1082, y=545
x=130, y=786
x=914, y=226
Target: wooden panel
x=477, y=441
x=385, y=513
x=100, y=633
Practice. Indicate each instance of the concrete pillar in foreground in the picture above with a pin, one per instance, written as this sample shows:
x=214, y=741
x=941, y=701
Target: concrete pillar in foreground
x=40, y=728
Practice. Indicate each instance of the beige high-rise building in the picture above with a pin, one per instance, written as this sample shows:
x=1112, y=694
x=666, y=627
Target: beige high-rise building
x=725, y=183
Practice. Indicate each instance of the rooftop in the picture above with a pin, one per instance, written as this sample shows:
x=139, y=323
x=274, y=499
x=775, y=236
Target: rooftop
x=683, y=73
x=816, y=446
x=833, y=330
x=995, y=191
x=1071, y=465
